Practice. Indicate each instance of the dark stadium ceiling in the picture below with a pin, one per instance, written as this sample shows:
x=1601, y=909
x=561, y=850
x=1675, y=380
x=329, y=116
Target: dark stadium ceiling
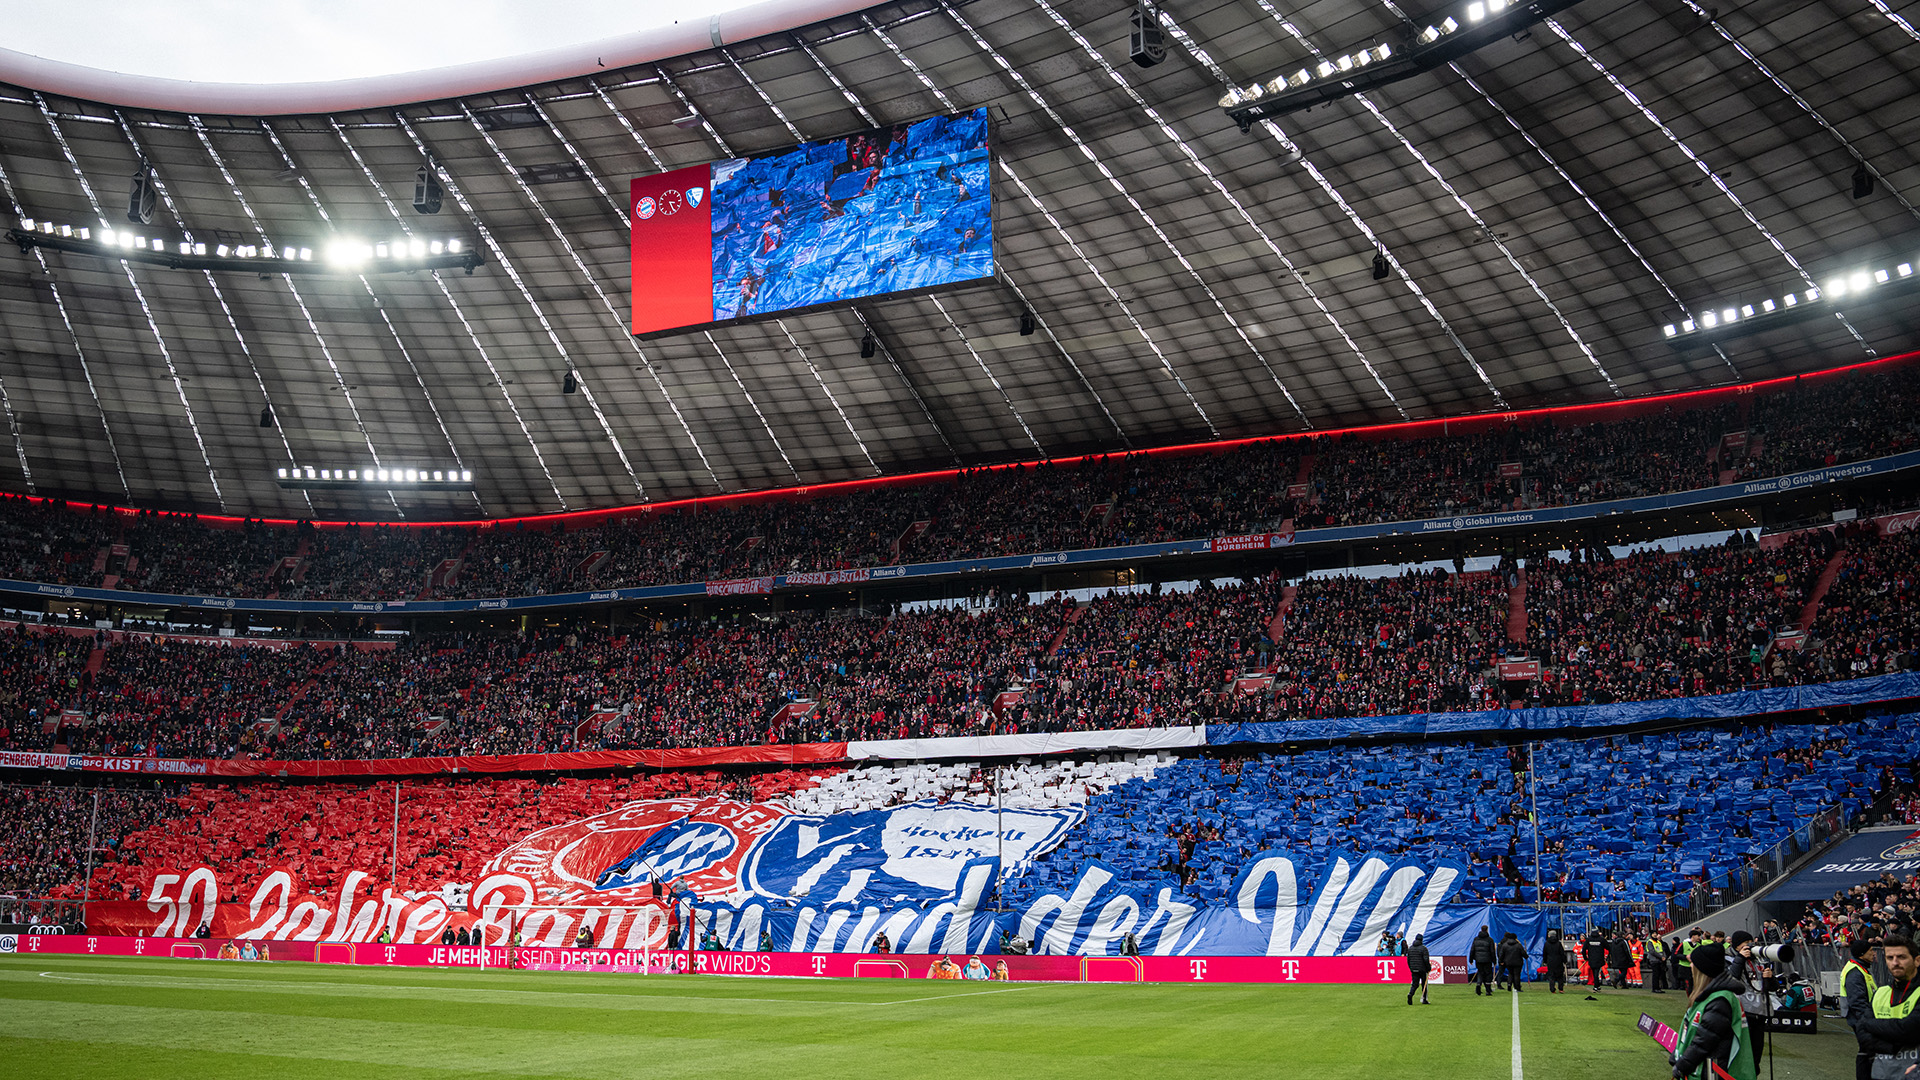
x=1547, y=203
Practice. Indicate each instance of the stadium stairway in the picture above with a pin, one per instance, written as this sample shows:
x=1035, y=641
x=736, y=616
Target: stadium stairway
x=1517, y=610
x=304, y=689
x=1811, y=609
x=96, y=660
x=1066, y=624
x=1277, y=625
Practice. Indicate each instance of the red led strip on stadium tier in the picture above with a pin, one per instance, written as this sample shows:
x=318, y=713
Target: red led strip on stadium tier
x=1412, y=429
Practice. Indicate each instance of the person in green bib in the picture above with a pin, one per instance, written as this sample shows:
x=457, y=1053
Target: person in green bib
x=1894, y=1027
x=1856, y=979
x=1714, y=1031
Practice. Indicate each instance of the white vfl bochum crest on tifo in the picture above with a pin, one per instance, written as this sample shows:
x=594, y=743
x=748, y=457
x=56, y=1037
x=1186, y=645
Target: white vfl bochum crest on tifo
x=684, y=847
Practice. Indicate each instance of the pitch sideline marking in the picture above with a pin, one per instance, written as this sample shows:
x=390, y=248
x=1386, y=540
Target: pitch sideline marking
x=1516, y=1035
x=107, y=981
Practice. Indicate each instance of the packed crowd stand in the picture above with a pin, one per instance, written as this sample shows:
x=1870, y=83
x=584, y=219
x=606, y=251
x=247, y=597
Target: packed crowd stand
x=1648, y=626
x=1101, y=501
x=1621, y=820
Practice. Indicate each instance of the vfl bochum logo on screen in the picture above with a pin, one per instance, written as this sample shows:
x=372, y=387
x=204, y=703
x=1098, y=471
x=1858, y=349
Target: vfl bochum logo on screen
x=684, y=847
x=669, y=203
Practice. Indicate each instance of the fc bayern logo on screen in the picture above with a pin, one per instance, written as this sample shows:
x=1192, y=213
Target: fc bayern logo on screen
x=644, y=208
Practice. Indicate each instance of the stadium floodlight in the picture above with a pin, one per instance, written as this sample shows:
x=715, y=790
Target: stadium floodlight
x=1341, y=74
x=308, y=477
x=1851, y=289
x=342, y=255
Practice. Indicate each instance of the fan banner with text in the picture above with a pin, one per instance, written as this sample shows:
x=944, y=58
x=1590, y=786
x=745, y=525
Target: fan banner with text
x=755, y=875
x=891, y=210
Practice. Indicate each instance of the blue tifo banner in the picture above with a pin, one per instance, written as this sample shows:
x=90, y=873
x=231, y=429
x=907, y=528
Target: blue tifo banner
x=1271, y=910
x=1743, y=703
x=1788, y=483
x=1859, y=859
x=925, y=873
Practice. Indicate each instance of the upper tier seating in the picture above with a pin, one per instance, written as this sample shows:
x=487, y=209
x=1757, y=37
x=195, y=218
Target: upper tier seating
x=1103, y=501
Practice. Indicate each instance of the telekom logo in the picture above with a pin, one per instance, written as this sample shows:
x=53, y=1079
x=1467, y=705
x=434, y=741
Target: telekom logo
x=1386, y=969
x=1289, y=970
x=93, y=943
x=390, y=953
x=140, y=946
x=1199, y=968
x=819, y=964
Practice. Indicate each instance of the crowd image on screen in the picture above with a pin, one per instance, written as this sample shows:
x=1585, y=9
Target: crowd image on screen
x=886, y=211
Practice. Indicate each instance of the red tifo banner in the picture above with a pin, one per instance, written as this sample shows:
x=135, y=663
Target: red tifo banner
x=1377, y=970
x=701, y=757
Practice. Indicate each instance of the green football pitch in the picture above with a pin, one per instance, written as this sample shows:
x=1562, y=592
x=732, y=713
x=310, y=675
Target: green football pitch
x=67, y=1016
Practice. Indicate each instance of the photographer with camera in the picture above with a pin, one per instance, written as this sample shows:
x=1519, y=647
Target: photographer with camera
x=1894, y=1026
x=1714, y=1031
x=1745, y=965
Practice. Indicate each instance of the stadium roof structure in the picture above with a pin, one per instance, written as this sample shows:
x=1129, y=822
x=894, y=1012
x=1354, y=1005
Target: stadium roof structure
x=1545, y=205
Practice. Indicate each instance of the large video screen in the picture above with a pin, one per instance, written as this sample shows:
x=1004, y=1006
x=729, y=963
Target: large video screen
x=885, y=211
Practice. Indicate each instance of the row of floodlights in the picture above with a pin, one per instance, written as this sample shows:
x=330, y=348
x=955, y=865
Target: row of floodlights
x=1327, y=69
x=342, y=252
x=1477, y=11
x=380, y=476
x=1858, y=283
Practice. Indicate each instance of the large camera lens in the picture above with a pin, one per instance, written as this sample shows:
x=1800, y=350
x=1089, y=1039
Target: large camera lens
x=1782, y=954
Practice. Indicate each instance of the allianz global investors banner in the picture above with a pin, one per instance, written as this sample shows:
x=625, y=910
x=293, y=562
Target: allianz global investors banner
x=925, y=874
x=890, y=210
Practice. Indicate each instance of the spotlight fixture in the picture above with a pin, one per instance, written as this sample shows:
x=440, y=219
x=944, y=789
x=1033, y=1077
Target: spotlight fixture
x=1479, y=23
x=1382, y=269
x=568, y=385
x=308, y=476
x=1842, y=292
x=1027, y=324
x=868, y=346
x=426, y=189
x=141, y=196
x=266, y=417
x=338, y=256
x=1862, y=182
x=689, y=122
